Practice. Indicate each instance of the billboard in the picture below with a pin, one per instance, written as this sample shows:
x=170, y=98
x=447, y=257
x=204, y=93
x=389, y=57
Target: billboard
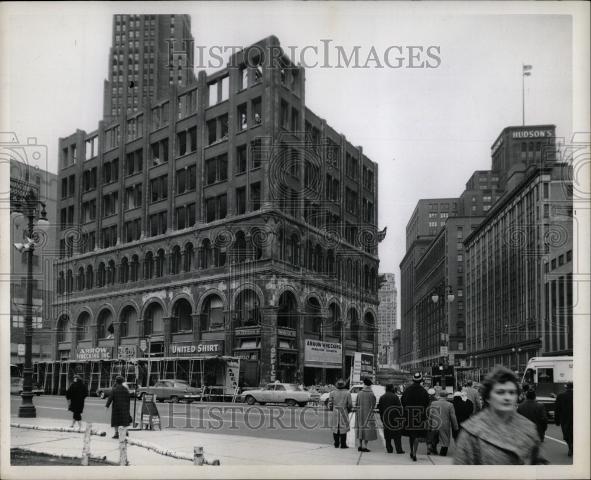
x=322, y=354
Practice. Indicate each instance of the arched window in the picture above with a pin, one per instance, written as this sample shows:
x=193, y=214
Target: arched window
x=313, y=322
x=89, y=277
x=64, y=333
x=80, y=279
x=257, y=238
x=69, y=282
x=248, y=308
x=160, y=262
x=366, y=277
x=373, y=281
x=212, y=314
x=104, y=325
x=148, y=266
x=124, y=271
x=189, y=257
x=369, y=327
x=153, y=319
x=175, y=260
x=295, y=250
x=111, y=271
x=128, y=326
x=335, y=320
x=353, y=321
x=239, y=249
x=101, y=275
x=287, y=315
x=205, y=254
x=134, y=268
x=181, y=316
x=82, y=327
x=330, y=266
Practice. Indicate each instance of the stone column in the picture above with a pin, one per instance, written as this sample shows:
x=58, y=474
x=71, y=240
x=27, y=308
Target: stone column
x=300, y=345
x=229, y=333
x=116, y=338
x=167, y=333
x=93, y=335
x=196, y=317
x=268, y=358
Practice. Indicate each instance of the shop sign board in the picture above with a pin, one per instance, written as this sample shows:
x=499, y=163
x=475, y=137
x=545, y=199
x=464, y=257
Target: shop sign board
x=127, y=352
x=203, y=348
x=94, y=353
x=322, y=354
x=362, y=367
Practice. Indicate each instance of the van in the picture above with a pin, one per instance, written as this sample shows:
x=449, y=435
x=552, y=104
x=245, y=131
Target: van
x=548, y=376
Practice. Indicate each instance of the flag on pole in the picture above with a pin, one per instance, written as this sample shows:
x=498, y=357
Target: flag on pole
x=527, y=70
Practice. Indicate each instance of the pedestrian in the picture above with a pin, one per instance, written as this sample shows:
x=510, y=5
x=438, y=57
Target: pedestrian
x=341, y=404
x=463, y=408
x=442, y=419
x=431, y=438
x=563, y=415
x=120, y=399
x=498, y=435
x=534, y=411
x=392, y=418
x=473, y=396
x=415, y=401
x=365, y=422
x=75, y=395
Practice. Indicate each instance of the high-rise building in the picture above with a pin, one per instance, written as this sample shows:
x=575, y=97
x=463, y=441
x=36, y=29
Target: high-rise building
x=149, y=53
x=387, y=320
x=224, y=218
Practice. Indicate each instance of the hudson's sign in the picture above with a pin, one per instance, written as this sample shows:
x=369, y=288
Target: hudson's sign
x=533, y=134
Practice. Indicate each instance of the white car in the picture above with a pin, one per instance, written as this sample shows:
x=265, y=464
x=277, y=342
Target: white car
x=378, y=391
x=289, y=393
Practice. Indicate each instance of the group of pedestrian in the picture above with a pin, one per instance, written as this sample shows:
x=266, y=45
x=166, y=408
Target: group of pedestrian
x=119, y=398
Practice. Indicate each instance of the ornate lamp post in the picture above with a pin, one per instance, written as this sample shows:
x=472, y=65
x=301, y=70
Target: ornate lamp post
x=28, y=205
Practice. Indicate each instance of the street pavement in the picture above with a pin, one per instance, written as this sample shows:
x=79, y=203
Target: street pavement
x=254, y=435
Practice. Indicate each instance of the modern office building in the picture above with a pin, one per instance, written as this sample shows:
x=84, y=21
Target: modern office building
x=224, y=220
x=387, y=318
x=24, y=176
x=149, y=53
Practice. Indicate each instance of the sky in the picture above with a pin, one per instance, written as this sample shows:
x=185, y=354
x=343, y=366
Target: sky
x=428, y=129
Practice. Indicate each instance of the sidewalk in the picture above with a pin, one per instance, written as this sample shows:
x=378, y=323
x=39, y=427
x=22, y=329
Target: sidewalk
x=229, y=449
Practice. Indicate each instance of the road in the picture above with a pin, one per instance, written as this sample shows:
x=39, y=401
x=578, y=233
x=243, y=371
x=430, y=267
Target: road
x=308, y=424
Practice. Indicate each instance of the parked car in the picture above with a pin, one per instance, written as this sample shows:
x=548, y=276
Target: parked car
x=172, y=390
x=16, y=387
x=288, y=393
x=378, y=391
x=105, y=392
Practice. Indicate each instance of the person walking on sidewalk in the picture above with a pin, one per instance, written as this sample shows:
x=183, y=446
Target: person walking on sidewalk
x=534, y=411
x=563, y=415
x=498, y=435
x=415, y=401
x=442, y=419
x=120, y=399
x=390, y=410
x=463, y=409
x=473, y=396
x=365, y=422
x=75, y=395
x=341, y=404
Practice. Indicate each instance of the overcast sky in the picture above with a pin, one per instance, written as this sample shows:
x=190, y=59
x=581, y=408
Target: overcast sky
x=428, y=129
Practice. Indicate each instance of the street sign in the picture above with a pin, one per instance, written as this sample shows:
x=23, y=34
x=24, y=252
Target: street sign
x=21, y=350
x=443, y=351
x=143, y=345
x=462, y=363
x=451, y=359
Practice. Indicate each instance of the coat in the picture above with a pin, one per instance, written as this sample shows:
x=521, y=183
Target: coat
x=365, y=421
x=76, y=394
x=463, y=409
x=341, y=404
x=391, y=413
x=487, y=440
x=442, y=419
x=535, y=412
x=474, y=397
x=415, y=401
x=563, y=414
x=119, y=397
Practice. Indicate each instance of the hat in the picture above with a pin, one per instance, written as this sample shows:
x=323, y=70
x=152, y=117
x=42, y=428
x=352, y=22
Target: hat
x=341, y=384
x=431, y=391
x=443, y=393
x=417, y=377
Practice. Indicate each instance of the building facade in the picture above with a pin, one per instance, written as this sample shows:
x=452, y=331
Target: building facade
x=45, y=184
x=387, y=319
x=226, y=218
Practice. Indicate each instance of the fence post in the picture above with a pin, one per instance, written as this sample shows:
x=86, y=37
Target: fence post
x=198, y=456
x=122, y=446
x=86, y=445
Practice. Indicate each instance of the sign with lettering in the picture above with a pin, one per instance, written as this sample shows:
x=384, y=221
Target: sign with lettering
x=150, y=414
x=322, y=354
x=232, y=376
x=94, y=353
x=204, y=348
x=533, y=134
x=443, y=351
x=240, y=332
x=285, y=332
x=127, y=352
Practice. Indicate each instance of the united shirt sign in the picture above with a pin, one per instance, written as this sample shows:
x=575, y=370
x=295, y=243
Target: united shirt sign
x=322, y=354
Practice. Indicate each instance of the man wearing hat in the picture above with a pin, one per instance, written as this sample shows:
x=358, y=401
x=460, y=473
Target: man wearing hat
x=442, y=419
x=415, y=401
x=341, y=404
x=120, y=399
x=75, y=395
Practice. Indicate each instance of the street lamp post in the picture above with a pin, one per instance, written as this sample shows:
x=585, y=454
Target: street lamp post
x=516, y=351
x=29, y=207
x=449, y=297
